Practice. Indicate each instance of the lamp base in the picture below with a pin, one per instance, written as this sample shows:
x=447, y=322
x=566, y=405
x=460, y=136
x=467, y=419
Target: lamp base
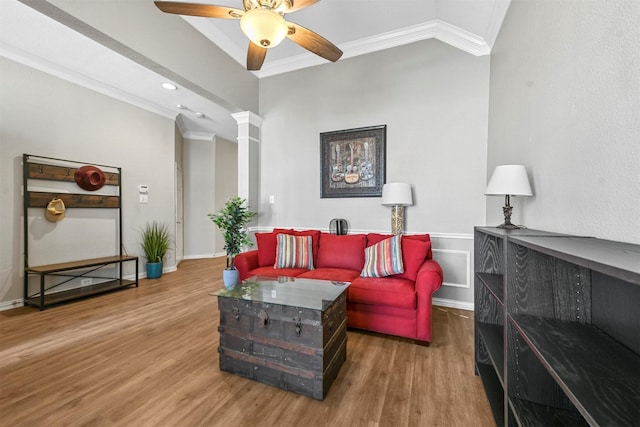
x=509, y=226
x=506, y=210
x=397, y=220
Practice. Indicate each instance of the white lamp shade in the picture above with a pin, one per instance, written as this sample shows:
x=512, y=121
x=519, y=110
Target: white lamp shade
x=397, y=194
x=264, y=27
x=509, y=180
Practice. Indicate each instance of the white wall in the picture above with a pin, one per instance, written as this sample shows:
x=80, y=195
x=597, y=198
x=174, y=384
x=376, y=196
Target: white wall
x=43, y=115
x=226, y=181
x=179, y=180
x=565, y=102
x=433, y=99
x=199, y=197
x=210, y=179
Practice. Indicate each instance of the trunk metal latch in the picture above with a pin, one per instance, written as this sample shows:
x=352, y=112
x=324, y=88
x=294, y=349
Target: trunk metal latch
x=263, y=319
x=298, y=322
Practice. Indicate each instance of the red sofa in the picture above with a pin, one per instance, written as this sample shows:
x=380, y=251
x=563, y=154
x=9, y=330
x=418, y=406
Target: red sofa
x=397, y=305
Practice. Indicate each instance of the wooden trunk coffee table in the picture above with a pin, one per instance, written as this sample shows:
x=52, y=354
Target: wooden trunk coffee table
x=287, y=332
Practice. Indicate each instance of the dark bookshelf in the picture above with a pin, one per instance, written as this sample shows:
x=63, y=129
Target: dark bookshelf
x=557, y=322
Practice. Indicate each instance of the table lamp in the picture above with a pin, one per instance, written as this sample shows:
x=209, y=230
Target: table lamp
x=397, y=195
x=508, y=180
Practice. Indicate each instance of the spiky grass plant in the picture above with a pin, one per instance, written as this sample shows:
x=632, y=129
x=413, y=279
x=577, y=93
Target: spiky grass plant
x=155, y=241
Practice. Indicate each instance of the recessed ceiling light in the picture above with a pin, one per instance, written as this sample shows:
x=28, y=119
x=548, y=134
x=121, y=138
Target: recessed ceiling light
x=169, y=86
x=200, y=115
x=182, y=107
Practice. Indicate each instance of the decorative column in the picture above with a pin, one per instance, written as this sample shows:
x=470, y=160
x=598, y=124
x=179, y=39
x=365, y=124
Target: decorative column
x=248, y=157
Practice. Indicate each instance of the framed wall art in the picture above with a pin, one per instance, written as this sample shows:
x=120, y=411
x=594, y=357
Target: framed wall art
x=352, y=162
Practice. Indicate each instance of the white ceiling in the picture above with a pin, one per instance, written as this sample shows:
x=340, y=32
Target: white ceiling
x=357, y=27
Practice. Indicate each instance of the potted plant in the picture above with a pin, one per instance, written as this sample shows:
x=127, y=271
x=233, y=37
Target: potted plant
x=155, y=243
x=232, y=220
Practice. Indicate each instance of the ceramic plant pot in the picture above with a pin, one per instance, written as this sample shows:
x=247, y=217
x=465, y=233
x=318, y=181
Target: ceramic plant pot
x=154, y=270
x=230, y=278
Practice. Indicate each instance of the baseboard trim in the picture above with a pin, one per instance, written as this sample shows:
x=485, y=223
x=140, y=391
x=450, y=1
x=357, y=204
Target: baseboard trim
x=143, y=273
x=205, y=256
x=8, y=305
x=450, y=303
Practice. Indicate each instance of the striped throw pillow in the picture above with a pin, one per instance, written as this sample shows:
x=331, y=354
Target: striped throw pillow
x=294, y=252
x=383, y=258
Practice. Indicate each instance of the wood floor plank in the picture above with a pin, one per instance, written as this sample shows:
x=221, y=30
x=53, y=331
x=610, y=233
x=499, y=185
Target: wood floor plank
x=147, y=356
x=401, y=383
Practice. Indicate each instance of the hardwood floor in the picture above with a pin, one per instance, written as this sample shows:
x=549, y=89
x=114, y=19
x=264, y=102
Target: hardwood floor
x=148, y=356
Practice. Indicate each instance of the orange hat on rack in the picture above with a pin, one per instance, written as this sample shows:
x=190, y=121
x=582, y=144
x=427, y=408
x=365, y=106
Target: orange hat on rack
x=90, y=178
x=55, y=210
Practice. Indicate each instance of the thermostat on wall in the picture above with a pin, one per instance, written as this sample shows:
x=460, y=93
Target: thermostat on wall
x=143, y=188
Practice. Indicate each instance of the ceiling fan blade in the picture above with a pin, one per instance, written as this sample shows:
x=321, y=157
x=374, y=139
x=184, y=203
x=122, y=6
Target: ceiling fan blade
x=197, y=9
x=313, y=42
x=299, y=4
x=255, y=56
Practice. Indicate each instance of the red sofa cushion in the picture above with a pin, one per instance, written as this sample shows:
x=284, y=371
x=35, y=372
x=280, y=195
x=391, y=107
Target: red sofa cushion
x=346, y=251
x=267, y=243
x=414, y=253
x=386, y=291
x=335, y=274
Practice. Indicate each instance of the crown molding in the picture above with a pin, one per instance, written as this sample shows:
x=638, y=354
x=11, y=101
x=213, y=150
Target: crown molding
x=39, y=63
x=190, y=134
x=199, y=136
x=182, y=128
x=193, y=135
x=438, y=29
x=461, y=39
x=498, y=13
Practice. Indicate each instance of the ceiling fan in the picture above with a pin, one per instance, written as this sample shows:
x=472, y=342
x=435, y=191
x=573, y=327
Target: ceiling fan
x=263, y=22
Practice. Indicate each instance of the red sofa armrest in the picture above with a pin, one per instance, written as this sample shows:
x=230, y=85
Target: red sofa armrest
x=429, y=280
x=431, y=266
x=245, y=262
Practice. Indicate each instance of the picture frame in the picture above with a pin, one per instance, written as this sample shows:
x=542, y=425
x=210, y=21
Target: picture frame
x=353, y=162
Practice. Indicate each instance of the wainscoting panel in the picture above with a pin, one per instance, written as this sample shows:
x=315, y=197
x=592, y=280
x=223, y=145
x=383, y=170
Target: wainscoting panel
x=456, y=265
x=454, y=253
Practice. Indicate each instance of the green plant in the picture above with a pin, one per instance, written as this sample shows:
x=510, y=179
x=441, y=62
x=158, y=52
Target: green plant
x=155, y=241
x=232, y=220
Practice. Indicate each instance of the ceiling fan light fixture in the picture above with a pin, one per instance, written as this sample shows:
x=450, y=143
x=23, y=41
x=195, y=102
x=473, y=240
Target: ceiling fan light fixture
x=264, y=27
